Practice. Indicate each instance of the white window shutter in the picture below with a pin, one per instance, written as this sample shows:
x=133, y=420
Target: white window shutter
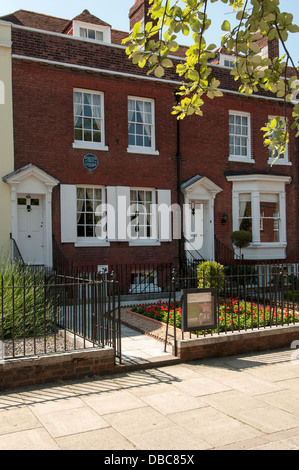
x=164, y=215
x=112, y=213
x=68, y=213
x=123, y=204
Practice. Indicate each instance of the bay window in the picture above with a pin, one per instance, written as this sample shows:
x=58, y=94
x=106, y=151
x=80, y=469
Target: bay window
x=259, y=206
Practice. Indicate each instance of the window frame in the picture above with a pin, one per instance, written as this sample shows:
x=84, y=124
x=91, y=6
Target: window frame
x=142, y=149
x=229, y=58
x=85, y=144
x=106, y=30
x=281, y=160
x=85, y=240
x=241, y=158
x=153, y=238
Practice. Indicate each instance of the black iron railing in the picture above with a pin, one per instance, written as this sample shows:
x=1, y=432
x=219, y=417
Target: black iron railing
x=42, y=314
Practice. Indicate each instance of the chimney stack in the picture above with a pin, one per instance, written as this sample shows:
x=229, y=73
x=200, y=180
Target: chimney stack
x=272, y=46
x=139, y=12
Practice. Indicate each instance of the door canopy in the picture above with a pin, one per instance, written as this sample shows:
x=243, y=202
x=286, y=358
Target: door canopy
x=31, y=179
x=200, y=188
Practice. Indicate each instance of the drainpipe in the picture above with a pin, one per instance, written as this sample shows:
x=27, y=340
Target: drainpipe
x=179, y=194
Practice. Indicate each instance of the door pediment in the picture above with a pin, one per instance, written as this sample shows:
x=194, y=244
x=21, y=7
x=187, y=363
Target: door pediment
x=26, y=182
x=31, y=179
x=200, y=187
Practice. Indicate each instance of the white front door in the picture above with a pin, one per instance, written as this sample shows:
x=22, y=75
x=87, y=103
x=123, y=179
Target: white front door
x=31, y=228
x=200, y=240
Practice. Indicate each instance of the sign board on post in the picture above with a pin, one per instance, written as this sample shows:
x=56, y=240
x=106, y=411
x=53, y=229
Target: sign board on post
x=199, y=309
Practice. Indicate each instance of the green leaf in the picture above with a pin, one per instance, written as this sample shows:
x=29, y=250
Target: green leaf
x=226, y=26
x=159, y=71
x=167, y=63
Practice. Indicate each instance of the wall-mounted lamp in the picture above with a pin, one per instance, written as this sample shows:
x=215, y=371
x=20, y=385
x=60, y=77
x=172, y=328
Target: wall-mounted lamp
x=28, y=197
x=224, y=218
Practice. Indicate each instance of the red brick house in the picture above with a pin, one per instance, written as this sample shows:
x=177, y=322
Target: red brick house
x=99, y=157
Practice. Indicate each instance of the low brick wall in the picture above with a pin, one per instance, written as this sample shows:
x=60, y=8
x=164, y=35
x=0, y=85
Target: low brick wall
x=237, y=343
x=36, y=370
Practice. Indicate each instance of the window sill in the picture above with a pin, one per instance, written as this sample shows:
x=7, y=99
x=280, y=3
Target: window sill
x=87, y=146
x=241, y=160
x=144, y=243
x=91, y=243
x=142, y=151
x=277, y=162
x=259, y=251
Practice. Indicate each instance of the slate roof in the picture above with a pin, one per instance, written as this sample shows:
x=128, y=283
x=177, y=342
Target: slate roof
x=49, y=23
x=37, y=20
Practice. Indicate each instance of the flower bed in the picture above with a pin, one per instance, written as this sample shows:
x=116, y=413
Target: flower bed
x=233, y=314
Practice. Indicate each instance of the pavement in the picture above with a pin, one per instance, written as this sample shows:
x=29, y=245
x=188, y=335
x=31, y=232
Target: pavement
x=242, y=402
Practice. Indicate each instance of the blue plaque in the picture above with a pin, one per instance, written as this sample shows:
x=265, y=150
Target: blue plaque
x=90, y=161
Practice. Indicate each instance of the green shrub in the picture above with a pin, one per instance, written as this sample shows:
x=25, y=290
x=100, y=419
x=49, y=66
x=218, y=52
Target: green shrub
x=292, y=296
x=25, y=307
x=241, y=238
x=210, y=274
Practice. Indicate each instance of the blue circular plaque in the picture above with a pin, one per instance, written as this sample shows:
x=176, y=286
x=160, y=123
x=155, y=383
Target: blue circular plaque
x=90, y=161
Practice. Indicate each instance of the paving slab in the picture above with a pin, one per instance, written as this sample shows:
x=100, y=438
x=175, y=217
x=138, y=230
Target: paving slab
x=243, y=402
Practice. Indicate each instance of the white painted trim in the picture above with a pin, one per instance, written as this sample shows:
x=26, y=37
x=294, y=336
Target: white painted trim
x=118, y=46
x=141, y=150
x=93, y=69
x=257, y=185
x=147, y=150
x=82, y=144
x=6, y=44
x=131, y=75
x=65, y=36
x=44, y=185
x=106, y=30
x=281, y=161
x=239, y=158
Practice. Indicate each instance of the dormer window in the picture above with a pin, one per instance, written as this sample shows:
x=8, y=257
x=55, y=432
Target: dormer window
x=227, y=61
x=92, y=32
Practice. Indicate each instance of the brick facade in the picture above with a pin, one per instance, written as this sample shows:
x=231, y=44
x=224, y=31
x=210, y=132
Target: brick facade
x=46, y=69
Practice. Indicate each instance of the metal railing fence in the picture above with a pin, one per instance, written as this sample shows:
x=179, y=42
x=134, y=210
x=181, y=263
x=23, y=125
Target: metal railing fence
x=248, y=297
x=42, y=314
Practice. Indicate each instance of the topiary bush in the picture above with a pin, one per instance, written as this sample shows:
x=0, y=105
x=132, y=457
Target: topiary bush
x=210, y=274
x=241, y=238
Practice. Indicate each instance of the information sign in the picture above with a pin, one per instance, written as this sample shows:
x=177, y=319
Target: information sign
x=199, y=309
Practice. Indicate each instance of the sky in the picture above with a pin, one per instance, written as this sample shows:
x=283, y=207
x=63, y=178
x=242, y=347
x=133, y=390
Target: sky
x=116, y=14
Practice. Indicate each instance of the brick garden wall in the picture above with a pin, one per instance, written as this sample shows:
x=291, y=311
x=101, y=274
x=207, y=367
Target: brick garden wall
x=237, y=343
x=24, y=372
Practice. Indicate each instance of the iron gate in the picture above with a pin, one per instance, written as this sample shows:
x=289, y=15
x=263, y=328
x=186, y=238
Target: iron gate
x=88, y=306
